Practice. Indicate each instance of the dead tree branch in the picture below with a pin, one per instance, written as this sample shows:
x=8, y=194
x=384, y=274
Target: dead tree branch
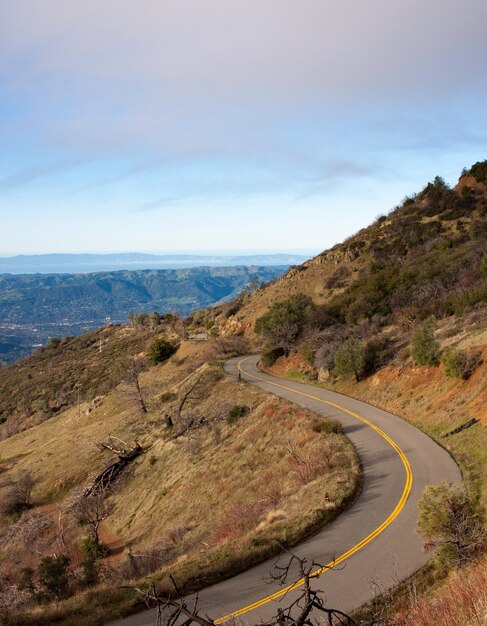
x=307, y=609
x=109, y=475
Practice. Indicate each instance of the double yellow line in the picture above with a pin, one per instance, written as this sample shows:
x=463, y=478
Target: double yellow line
x=397, y=509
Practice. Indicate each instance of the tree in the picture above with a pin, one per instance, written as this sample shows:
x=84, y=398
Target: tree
x=19, y=495
x=349, y=359
x=50, y=582
x=450, y=523
x=160, y=350
x=131, y=376
x=91, y=511
x=307, y=609
x=424, y=348
x=283, y=322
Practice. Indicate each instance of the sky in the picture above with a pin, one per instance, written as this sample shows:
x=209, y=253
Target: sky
x=184, y=125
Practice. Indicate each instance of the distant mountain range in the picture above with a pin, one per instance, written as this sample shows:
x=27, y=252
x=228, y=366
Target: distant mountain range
x=81, y=263
x=35, y=307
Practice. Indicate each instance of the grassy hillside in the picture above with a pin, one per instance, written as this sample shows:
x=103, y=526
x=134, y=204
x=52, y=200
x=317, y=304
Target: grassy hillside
x=423, y=258
x=203, y=503
x=46, y=383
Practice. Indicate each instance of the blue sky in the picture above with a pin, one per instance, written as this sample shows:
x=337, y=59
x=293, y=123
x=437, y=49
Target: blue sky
x=151, y=125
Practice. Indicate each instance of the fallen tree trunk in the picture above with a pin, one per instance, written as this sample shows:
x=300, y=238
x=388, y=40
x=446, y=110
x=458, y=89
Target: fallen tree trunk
x=109, y=475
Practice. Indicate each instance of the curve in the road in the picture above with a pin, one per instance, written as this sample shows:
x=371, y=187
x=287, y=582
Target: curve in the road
x=339, y=559
x=374, y=539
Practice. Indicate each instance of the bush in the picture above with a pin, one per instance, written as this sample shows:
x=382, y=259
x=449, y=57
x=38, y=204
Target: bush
x=54, y=343
x=327, y=426
x=376, y=354
x=160, y=350
x=349, y=359
x=269, y=357
x=424, y=348
x=93, y=550
x=283, y=322
x=458, y=364
x=235, y=413
x=450, y=523
x=50, y=582
x=19, y=495
x=483, y=267
x=479, y=171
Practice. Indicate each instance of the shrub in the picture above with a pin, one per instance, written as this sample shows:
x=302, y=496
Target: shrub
x=19, y=495
x=483, y=267
x=236, y=412
x=283, y=322
x=458, y=364
x=54, y=343
x=160, y=350
x=269, y=357
x=424, y=348
x=93, y=550
x=349, y=359
x=327, y=426
x=307, y=353
x=376, y=354
x=449, y=521
x=479, y=171
x=53, y=578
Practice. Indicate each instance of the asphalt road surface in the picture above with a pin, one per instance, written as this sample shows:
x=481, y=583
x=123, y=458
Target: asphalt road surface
x=373, y=543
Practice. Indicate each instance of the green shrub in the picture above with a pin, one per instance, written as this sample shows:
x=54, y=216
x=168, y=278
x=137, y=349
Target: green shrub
x=449, y=522
x=269, y=357
x=479, y=171
x=307, y=353
x=424, y=348
x=53, y=578
x=92, y=549
x=54, y=343
x=160, y=350
x=458, y=364
x=377, y=353
x=349, y=359
x=236, y=412
x=283, y=322
x=327, y=426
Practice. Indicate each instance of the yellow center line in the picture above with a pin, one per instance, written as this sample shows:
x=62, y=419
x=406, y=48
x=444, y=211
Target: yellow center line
x=397, y=509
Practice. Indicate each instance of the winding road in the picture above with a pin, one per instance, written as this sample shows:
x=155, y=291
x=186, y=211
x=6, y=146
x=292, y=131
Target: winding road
x=373, y=544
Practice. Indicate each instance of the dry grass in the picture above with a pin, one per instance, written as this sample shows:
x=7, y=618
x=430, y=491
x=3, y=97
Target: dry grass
x=462, y=601
x=219, y=499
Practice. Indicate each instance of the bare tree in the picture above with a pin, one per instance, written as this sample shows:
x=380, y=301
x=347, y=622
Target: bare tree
x=187, y=423
x=172, y=610
x=133, y=386
x=91, y=512
x=19, y=494
x=306, y=609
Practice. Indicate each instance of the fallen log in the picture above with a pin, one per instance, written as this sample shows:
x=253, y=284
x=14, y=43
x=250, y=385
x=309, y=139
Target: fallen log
x=470, y=422
x=104, y=481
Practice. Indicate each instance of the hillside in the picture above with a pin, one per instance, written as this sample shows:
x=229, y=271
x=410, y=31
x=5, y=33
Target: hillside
x=422, y=258
x=35, y=307
x=200, y=499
